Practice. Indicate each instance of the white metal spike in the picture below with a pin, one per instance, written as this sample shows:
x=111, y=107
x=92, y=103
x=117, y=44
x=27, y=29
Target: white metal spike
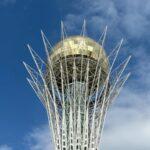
x=102, y=38
x=83, y=31
x=38, y=92
x=63, y=31
x=48, y=47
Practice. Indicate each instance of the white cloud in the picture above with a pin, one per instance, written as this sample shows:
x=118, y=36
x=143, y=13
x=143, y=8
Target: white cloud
x=5, y=147
x=128, y=122
x=39, y=139
x=122, y=17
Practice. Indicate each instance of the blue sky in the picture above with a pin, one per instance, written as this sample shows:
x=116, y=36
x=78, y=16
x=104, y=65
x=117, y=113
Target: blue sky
x=23, y=121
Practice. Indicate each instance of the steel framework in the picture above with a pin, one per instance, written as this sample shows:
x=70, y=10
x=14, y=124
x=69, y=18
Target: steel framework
x=76, y=91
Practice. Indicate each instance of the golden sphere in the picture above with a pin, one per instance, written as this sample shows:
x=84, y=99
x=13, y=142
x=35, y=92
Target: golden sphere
x=78, y=51
x=79, y=45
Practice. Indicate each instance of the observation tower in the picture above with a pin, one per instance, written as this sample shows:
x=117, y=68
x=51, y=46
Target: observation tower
x=77, y=84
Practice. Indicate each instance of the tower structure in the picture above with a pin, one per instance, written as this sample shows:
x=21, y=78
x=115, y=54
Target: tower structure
x=77, y=84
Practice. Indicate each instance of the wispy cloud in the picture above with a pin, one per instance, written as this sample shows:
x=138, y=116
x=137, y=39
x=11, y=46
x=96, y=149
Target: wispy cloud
x=7, y=2
x=128, y=122
x=5, y=147
x=39, y=139
x=129, y=18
